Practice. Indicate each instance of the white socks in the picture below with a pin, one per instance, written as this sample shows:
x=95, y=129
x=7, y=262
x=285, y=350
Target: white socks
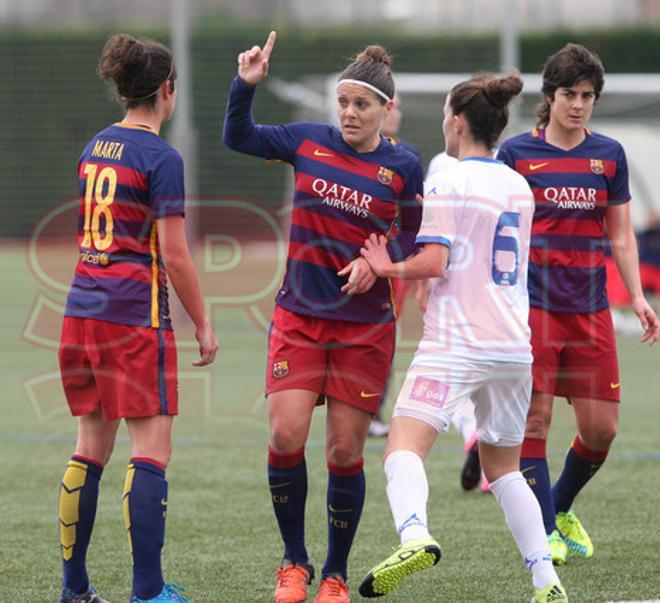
x=408, y=493
x=523, y=516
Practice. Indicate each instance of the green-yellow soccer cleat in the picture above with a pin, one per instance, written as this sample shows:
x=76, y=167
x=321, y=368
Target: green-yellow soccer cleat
x=574, y=534
x=409, y=558
x=554, y=593
x=558, y=548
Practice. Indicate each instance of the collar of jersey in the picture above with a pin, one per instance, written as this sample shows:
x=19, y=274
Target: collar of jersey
x=484, y=159
x=141, y=127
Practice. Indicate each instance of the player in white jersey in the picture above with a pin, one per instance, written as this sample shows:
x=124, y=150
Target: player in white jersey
x=476, y=344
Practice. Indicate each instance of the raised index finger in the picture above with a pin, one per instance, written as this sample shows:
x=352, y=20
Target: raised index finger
x=270, y=42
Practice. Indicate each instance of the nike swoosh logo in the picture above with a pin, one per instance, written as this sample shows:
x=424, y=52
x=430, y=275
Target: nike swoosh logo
x=615, y=385
x=163, y=502
x=537, y=166
x=333, y=510
x=276, y=486
x=364, y=394
x=526, y=469
x=320, y=153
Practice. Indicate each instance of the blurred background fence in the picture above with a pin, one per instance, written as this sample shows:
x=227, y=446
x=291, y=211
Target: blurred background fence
x=51, y=101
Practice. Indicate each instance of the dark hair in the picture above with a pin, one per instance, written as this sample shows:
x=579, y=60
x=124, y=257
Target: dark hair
x=137, y=67
x=372, y=66
x=484, y=100
x=572, y=64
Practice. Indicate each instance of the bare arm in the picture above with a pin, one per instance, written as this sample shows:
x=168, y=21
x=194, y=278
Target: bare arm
x=624, y=250
x=430, y=261
x=182, y=274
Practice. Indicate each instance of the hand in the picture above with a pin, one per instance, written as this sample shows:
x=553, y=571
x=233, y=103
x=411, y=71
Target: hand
x=376, y=254
x=253, y=64
x=208, y=345
x=648, y=320
x=361, y=277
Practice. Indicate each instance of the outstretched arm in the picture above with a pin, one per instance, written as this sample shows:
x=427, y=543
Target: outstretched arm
x=240, y=132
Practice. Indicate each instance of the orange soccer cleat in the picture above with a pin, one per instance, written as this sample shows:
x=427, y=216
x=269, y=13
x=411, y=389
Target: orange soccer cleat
x=292, y=582
x=333, y=589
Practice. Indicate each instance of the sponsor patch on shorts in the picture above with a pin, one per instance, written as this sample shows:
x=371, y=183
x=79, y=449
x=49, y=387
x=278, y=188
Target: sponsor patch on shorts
x=430, y=391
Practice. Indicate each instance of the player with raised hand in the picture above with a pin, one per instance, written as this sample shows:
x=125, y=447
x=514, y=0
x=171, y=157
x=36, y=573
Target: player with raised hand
x=580, y=184
x=475, y=235
x=332, y=334
x=117, y=352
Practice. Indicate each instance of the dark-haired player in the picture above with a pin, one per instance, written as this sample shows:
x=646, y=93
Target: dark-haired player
x=117, y=353
x=580, y=184
x=475, y=237
x=332, y=335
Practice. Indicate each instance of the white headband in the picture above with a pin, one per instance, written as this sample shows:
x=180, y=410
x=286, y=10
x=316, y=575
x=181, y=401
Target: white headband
x=366, y=85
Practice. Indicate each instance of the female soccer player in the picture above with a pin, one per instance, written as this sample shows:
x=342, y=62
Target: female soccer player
x=332, y=334
x=580, y=184
x=475, y=233
x=117, y=353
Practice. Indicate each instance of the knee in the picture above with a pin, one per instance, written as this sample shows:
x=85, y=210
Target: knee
x=343, y=453
x=538, y=423
x=98, y=452
x=599, y=437
x=285, y=437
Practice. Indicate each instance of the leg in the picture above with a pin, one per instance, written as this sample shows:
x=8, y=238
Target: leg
x=79, y=495
x=409, y=442
x=346, y=432
x=145, y=500
x=465, y=424
x=534, y=462
x=408, y=446
x=597, y=422
x=290, y=414
x=521, y=510
x=501, y=408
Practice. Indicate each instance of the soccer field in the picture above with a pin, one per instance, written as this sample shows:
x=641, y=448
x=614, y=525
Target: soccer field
x=222, y=542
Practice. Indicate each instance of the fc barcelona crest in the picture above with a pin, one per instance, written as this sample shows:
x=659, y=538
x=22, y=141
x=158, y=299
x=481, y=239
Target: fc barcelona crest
x=384, y=175
x=280, y=369
x=597, y=166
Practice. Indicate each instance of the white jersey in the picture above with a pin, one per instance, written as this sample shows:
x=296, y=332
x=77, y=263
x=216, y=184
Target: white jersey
x=440, y=162
x=478, y=310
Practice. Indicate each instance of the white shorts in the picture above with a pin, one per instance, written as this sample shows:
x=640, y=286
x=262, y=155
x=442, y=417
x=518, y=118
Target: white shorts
x=500, y=391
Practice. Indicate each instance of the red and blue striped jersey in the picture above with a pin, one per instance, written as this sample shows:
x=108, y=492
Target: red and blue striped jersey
x=128, y=178
x=341, y=197
x=572, y=190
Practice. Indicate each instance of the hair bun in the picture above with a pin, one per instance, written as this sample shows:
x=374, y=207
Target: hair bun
x=375, y=53
x=500, y=91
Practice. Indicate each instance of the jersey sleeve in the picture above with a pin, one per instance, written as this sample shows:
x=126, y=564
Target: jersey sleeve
x=410, y=216
x=242, y=134
x=619, y=191
x=166, y=185
x=442, y=205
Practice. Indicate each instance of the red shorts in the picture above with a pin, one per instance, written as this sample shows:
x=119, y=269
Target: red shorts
x=349, y=361
x=575, y=354
x=120, y=370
